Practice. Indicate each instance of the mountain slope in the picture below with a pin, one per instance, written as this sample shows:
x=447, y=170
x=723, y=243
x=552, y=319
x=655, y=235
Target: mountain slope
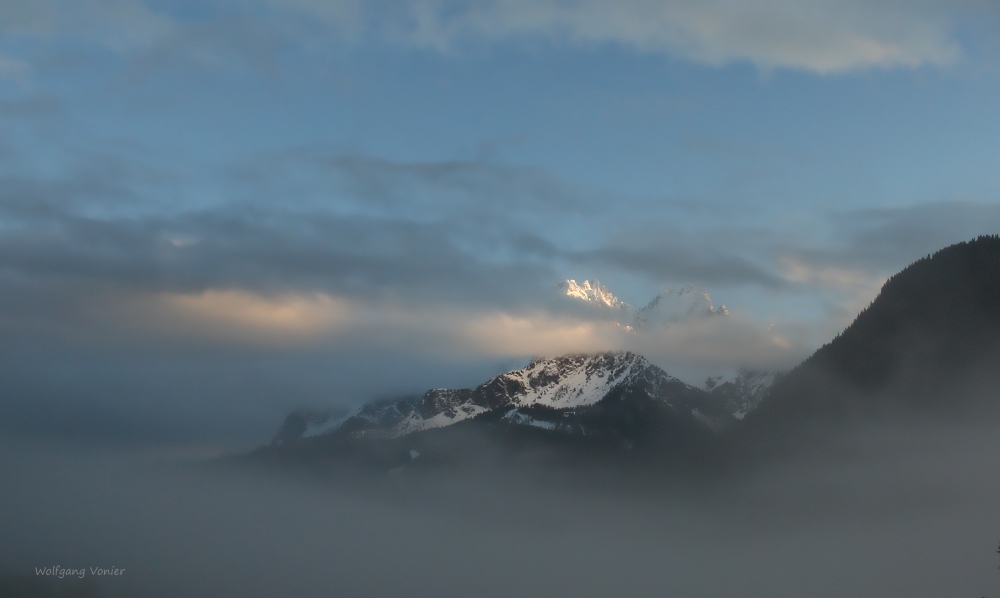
x=933, y=324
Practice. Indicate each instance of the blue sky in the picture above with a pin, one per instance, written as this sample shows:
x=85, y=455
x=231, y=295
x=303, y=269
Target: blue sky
x=330, y=190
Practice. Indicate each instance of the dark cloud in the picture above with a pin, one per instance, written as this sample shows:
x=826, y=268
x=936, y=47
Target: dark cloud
x=244, y=248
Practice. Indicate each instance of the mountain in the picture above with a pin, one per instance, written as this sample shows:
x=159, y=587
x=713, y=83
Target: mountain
x=933, y=330
x=618, y=397
x=671, y=306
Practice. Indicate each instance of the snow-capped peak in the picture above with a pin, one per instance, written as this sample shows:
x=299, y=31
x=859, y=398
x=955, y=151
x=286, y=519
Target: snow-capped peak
x=592, y=292
x=567, y=382
x=673, y=305
x=579, y=394
x=570, y=381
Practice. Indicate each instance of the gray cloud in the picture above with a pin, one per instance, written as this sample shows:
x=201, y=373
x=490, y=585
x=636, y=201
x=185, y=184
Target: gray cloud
x=881, y=241
x=243, y=248
x=449, y=190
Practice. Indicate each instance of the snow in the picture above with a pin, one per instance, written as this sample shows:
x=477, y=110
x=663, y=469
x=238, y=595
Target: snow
x=329, y=424
x=415, y=423
x=562, y=383
x=574, y=381
x=591, y=292
x=516, y=417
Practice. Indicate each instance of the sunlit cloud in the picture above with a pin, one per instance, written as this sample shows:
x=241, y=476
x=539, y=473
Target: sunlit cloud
x=241, y=316
x=537, y=334
x=799, y=271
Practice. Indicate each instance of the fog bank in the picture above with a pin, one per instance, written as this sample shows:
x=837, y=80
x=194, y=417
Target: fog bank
x=902, y=510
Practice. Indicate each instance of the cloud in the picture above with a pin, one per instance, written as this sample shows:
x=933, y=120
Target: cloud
x=677, y=262
x=243, y=317
x=823, y=36
x=419, y=190
x=815, y=35
x=880, y=241
x=119, y=24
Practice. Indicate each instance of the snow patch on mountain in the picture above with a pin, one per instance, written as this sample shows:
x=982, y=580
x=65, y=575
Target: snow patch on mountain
x=516, y=417
x=415, y=422
x=573, y=380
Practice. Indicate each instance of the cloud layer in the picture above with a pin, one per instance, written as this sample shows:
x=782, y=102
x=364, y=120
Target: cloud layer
x=823, y=36
x=816, y=35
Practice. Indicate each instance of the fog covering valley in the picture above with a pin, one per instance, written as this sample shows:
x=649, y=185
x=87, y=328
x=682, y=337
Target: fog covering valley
x=901, y=509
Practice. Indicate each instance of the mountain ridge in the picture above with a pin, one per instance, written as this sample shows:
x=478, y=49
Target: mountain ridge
x=932, y=323
x=558, y=394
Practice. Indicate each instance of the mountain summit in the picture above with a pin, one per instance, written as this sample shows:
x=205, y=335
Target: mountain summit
x=591, y=292
x=673, y=305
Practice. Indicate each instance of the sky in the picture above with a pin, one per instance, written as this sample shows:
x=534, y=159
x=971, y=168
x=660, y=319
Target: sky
x=212, y=212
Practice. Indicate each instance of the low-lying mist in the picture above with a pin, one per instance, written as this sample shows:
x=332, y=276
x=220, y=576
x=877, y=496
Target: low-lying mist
x=873, y=510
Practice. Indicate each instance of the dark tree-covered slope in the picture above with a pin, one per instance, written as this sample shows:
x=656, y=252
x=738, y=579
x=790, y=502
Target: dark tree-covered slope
x=933, y=323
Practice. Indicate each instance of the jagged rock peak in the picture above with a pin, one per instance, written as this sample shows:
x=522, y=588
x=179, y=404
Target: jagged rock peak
x=565, y=382
x=591, y=292
x=687, y=302
x=571, y=380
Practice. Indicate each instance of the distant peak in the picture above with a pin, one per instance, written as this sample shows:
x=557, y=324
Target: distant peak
x=673, y=305
x=592, y=292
